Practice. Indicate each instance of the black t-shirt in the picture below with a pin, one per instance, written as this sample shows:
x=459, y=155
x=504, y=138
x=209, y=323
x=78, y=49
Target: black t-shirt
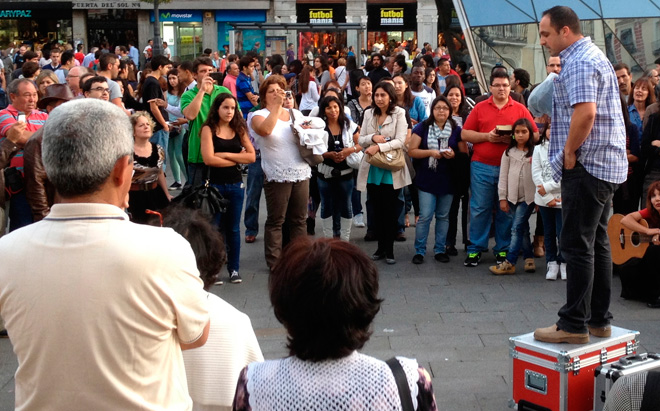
x=150, y=90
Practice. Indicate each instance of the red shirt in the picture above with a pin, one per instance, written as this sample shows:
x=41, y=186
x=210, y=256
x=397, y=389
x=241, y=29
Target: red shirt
x=8, y=117
x=484, y=117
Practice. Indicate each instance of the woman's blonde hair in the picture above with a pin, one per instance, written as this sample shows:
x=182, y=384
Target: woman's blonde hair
x=46, y=74
x=135, y=116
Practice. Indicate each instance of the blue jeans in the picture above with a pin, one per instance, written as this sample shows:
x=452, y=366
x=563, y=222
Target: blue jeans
x=551, y=233
x=586, y=202
x=336, y=197
x=520, y=231
x=229, y=223
x=430, y=205
x=175, y=153
x=484, y=200
x=20, y=213
x=196, y=174
x=162, y=138
x=255, y=185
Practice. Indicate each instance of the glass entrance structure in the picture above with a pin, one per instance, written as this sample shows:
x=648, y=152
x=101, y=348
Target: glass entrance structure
x=506, y=32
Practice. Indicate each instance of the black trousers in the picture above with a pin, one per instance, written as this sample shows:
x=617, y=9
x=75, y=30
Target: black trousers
x=385, y=201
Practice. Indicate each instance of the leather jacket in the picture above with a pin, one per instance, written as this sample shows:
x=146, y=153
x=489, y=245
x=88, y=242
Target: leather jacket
x=39, y=191
x=7, y=150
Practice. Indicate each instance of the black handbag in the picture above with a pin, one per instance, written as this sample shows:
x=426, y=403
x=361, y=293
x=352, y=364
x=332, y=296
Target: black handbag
x=204, y=197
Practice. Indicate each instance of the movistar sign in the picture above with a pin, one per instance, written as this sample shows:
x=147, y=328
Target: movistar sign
x=15, y=14
x=179, y=15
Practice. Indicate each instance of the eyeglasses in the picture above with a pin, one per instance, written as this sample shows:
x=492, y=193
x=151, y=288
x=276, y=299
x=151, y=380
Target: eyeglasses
x=442, y=108
x=101, y=89
x=500, y=85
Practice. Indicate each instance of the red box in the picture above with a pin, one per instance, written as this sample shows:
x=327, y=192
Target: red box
x=560, y=377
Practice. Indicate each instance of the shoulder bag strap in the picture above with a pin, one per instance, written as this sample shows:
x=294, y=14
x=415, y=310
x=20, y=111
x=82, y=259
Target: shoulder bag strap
x=651, y=399
x=401, y=383
x=293, y=118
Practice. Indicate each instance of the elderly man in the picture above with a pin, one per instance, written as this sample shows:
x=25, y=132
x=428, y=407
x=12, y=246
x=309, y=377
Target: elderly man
x=554, y=65
x=480, y=130
x=38, y=189
x=230, y=79
x=73, y=79
x=588, y=155
x=129, y=296
x=20, y=118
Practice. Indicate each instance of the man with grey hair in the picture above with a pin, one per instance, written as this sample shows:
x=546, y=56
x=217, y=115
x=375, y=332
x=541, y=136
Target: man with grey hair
x=111, y=303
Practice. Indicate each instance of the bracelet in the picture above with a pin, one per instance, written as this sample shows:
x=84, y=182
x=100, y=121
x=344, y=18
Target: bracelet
x=355, y=149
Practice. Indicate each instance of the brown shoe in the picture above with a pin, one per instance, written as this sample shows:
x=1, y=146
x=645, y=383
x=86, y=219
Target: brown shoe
x=530, y=267
x=503, y=268
x=250, y=239
x=601, y=332
x=554, y=335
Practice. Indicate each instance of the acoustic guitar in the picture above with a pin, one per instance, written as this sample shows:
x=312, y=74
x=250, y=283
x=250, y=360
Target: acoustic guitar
x=626, y=243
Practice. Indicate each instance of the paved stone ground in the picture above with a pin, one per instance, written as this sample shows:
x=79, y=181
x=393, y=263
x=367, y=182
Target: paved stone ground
x=455, y=320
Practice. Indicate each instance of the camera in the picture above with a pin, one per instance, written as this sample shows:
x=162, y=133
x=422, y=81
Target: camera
x=288, y=94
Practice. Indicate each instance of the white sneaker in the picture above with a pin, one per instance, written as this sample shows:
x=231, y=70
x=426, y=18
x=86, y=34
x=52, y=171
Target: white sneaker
x=358, y=220
x=562, y=270
x=553, y=270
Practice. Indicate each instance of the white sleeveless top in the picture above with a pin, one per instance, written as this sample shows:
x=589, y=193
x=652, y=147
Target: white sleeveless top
x=355, y=382
x=280, y=158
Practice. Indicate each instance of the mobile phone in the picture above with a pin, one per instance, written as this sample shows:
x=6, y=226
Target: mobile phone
x=288, y=94
x=21, y=117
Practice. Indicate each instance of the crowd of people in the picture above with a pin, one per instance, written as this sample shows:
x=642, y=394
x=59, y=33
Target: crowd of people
x=404, y=135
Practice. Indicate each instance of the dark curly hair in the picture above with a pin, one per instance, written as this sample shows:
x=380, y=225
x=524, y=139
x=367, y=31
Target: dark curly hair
x=237, y=122
x=325, y=292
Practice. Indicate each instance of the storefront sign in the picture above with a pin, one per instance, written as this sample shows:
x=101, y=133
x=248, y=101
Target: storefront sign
x=178, y=15
x=15, y=14
x=391, y=16
x=321, y=13
x=112, y=5
x=38, y=10
x=320, y=16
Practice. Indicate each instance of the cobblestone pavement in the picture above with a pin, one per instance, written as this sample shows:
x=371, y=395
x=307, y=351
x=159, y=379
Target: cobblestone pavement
x=455, y=320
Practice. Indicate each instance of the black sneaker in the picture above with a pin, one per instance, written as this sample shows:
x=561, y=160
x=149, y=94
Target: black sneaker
x=370, y=236
x=418, y=259
x=472, y=259
x=500, y=257
x=176, y=186
x=442, y=257
x=235, y=278
x=451, y=250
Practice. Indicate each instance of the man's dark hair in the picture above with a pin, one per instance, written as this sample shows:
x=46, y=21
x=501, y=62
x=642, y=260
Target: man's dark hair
x=131, y=43
x=276, y=60
x=498, y=74
x=442, y=60
x=208, y=51
x=309, y=282
x=87, y=86
x=106, y=60
x=30, y=68
x=159, y=61
x=79, y=47
x=522, y=76
x=123, y=49
x=186, y=65
x=244, y=62
x=377, y=55
x=463, y=66
x=363, y=77
x=622, y=66
x=563, y=16
x=201, y=61
x=29, y=55
x=67, y=56
x=657, y=61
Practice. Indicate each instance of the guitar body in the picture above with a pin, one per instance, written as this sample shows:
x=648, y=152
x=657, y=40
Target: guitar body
x=625, y=243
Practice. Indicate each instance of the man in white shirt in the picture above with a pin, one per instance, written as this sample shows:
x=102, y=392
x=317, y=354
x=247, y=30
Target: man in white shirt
x=166, y=51
x=111, y=303
x=419, y=89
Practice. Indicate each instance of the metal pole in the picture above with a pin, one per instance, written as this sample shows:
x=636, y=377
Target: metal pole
x=472, y=48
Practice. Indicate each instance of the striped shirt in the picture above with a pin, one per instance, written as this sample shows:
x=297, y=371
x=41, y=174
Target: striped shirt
x=8, y=117
x=588, y=77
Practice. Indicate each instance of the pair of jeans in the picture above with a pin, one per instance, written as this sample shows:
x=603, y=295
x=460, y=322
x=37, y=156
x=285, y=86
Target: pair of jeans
x=552, y=223
x=336, y=197
x=176, y=155
x=485, y=200
x=229, y=223
x=356, y=196
x=520, y=213
x=586, y=202
x=401, y=212
x=20, y=213
x=284, y=201
x=162, y=138
x=197, y=173
x=385, y=215
x=430, y=205
x=255, y=185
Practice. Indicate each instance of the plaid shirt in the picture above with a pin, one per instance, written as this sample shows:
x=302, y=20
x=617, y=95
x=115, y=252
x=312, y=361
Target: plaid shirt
x=588, y=77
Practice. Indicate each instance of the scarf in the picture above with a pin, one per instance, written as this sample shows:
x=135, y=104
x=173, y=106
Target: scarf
x=437, y=139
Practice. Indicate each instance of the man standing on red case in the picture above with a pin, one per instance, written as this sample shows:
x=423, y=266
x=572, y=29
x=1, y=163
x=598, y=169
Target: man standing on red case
x=588, y=154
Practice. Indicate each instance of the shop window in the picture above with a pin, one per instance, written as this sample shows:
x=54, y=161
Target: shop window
x=628, y=40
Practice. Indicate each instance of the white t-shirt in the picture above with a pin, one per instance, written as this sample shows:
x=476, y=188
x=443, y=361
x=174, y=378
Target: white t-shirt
x=212, y=370
x=427, y=95
x=96, y=307
x=280, y=158
x=167, y=52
